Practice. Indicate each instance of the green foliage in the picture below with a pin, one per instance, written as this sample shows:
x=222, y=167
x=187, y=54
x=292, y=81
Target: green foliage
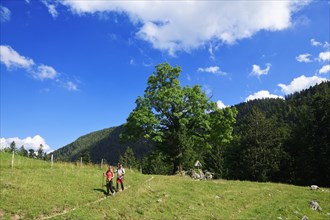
x=73, y=151
x=215, y=161
x=85, y=157
x=13, y=146
x=7, y=150
x=309, y=143
x=103, y=144
x=156, y=163
x=23, y=152
x=32, y=153
x=222, y=122
x=40, y=152
x=176, y=119
x=128, y=159
x=283, y=140
x=260, y=145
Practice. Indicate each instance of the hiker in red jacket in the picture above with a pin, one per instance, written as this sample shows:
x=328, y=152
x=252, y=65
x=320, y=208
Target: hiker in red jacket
x=109, y=175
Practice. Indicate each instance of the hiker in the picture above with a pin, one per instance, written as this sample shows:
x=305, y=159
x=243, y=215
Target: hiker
x=120, y=176
x=109, y=174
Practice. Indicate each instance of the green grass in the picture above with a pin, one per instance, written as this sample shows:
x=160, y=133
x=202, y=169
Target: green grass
x=35, y=190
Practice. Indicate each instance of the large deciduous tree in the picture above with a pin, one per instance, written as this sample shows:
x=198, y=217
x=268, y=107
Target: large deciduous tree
x=181, y=121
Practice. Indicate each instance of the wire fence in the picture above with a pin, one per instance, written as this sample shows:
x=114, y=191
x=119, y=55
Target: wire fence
x=15, y=161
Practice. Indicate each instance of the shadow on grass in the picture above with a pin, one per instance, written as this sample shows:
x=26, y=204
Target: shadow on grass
x=100, y=190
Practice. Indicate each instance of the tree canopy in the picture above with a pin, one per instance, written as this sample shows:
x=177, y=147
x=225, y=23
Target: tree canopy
x=182, y=122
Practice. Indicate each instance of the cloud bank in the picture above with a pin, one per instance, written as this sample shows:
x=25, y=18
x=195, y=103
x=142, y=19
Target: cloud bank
x=220, y=104
x=300, y=83
x=28, y=143
x=263, y=94
x=185, y=25
x=324, y=56
x=325, y=69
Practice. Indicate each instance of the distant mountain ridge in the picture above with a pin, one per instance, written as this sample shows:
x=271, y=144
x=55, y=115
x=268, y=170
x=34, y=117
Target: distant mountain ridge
x=102, y=144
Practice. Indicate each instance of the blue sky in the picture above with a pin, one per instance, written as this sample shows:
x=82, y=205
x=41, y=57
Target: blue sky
x=72, y=67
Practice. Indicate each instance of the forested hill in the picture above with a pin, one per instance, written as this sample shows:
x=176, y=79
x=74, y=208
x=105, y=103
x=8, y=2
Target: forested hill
x=301, y=107
x=100, y=144
x=283, y=140
x=286, y=109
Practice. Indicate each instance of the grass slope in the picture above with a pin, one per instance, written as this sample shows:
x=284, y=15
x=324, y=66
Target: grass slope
x=35, y=190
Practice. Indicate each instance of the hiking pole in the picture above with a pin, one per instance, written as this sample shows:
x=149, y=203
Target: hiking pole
x=102, y=180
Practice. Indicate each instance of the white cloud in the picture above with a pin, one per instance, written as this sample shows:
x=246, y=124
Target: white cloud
x=325, y=69
x=301, y=83
x=212, y=69
x=214, y=46
x=304, y=58
x=4, y=14
x=220, y=104
x=51, y=8
x=71, y=86
x=45, y=72
x=212, y=57
x=315, y=43
x=324, y=56
x=10, y=58
x=263, y=94
x=185, y=25
x=257, y=71
x=28, y=143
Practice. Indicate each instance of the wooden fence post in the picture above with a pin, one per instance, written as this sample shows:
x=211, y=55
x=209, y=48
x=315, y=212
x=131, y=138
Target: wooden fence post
x=52, y=160
x=101, y=163
x=12, y=159
x=80, y=161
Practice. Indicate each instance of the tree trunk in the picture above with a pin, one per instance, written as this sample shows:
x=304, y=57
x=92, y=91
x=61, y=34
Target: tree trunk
x=177, y=168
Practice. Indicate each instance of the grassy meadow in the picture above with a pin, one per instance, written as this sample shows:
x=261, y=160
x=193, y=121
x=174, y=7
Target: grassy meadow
x=35, y=190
